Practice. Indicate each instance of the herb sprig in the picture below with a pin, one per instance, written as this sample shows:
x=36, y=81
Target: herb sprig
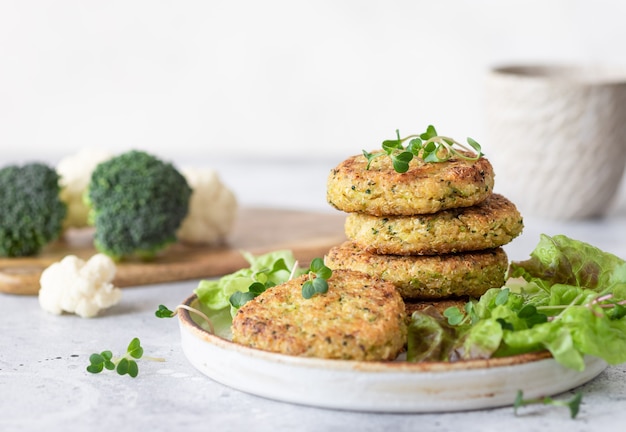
x=164, y=312
x=573, y=404
x=262, y=283
x=597, y=305
x=318, y=279
x=429, y=146
x=125, y=365
x=240, y=298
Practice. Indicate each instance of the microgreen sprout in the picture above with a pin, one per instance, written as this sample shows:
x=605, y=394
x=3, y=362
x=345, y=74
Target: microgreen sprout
x=261, y=284
x=456, y=317
x=125, y=365
x=318, y=277
x=429, y=146
x=503, y=296
x=616, y=310
x=573, y=404
x=164, y=312
x=239, y=298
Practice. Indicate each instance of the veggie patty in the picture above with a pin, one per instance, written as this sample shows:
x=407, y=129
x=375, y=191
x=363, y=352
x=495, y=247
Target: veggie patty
x=425, y=188
x=359, y=318
x=427, y=276
x=492, y=223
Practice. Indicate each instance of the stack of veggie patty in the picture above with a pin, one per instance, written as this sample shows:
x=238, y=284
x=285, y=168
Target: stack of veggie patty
x=436, y=231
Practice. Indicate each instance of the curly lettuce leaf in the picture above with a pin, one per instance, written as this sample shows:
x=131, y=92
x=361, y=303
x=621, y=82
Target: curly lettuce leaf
x=596, y=333
x=561, y=260
x=430, y=338
x=483, y=340
x=569, y=298
x=554, y=338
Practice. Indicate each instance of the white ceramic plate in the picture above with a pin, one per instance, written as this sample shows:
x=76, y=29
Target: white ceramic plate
x=377, y=386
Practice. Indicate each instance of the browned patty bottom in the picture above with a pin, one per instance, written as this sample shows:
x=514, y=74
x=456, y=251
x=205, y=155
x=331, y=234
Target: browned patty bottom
x=427, y=276
x=359, y=318
x=439, y=305
x=489, y=224
x=425, y=188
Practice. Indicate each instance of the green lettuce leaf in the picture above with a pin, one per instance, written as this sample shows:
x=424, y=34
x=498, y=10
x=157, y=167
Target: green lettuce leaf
x=569, y=298
x=561, y=260
x=430, y=337
x=482, y=341
x=596, y=334
x=273, y=267
x=549, y=336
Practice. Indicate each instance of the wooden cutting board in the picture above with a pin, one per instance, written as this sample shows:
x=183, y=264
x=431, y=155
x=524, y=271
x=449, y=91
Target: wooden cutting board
x=257, y=230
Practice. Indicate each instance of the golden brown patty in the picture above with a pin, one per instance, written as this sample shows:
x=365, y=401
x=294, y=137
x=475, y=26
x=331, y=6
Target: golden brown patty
x=359, y=318
x=492, y=223
x=425, y=188
x=427, y=276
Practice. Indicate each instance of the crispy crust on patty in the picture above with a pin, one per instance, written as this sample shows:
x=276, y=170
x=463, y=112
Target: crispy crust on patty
x=490, y=224
x=425, y=188
x=427, y=276
x=359, y=318
x=439, y=305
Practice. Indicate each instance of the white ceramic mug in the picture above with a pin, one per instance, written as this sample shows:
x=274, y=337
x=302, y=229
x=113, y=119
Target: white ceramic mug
x=556, y=137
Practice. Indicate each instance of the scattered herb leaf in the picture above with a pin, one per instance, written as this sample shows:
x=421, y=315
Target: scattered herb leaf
x=125, y=365
x=98, y=362
x=502, y=297
x=164, y=312
x=573, y=404
x=239, y=298
x=454, y=315
x=134, y=349
x=318, y=277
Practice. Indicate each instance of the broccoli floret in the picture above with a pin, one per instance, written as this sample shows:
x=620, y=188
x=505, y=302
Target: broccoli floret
x=31, y=211
x=137, y=203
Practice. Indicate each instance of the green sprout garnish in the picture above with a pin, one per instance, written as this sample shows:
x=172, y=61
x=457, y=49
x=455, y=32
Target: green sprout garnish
x=573, y=404
x=318, y=277
x=239, y=298
x=456, y=317
x=429, y=146
x=125, y=365
x=262, y=282
x=164, y=312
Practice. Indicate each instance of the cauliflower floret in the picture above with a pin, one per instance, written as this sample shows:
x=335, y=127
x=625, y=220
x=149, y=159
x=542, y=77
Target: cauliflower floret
x=77, y=286
x=75, y=173
x=212, y=209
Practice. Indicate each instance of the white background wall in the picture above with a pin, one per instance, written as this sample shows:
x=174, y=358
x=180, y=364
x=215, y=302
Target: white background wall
x=198, y=80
